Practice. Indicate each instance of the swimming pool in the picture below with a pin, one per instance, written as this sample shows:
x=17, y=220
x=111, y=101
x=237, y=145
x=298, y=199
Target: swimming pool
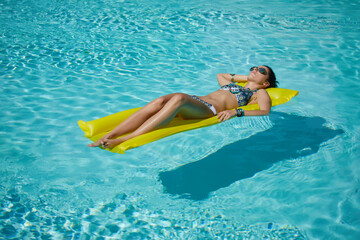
x=62, y=61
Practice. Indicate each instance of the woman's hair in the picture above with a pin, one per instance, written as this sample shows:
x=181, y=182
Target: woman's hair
x=272, y=78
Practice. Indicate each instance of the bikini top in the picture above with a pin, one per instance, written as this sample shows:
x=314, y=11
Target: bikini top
x=242, y=95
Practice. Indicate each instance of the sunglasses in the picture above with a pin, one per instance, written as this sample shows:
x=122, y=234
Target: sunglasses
x=260, y=69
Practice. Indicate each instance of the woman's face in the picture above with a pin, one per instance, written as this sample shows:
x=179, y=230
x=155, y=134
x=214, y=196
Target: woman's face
x=258, y=77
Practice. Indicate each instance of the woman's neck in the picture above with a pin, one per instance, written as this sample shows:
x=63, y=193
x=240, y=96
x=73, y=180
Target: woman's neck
x=252, y=86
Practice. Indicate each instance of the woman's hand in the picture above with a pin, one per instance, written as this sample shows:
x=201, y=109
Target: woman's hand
x=226, y=115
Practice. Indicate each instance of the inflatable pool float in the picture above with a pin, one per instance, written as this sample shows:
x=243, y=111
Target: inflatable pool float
x=97, y=128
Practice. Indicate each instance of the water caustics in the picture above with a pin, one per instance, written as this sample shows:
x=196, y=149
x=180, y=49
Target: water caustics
x=61, y=61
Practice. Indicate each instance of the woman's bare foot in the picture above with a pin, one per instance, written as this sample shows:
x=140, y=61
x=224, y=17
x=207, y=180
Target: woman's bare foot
x=111, y=143
x=96, y=144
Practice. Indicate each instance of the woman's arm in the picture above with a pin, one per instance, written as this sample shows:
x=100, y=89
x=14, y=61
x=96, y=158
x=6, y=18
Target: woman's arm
x=227, y=78
x=264, y=102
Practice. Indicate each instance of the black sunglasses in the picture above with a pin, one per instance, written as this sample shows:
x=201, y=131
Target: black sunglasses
x=260, y=69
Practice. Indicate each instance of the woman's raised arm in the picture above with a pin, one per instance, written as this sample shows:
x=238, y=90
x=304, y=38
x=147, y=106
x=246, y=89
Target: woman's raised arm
x=227, y=78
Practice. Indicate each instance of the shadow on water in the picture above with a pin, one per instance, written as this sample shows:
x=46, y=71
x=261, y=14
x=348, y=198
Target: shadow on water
x=291, y=137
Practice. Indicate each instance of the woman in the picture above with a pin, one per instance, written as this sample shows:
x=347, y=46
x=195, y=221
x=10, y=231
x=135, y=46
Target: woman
x=222, y=103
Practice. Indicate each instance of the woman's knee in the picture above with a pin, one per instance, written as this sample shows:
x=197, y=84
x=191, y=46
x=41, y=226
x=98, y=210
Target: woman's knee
x=160, y=102
x=179, y=98
x=175, y=99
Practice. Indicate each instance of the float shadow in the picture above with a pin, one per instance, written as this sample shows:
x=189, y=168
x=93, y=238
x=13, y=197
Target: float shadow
x=291, y=137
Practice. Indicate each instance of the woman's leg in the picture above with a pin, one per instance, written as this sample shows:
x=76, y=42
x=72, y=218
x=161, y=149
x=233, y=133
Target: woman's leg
x=179, y=103
x=135, y=120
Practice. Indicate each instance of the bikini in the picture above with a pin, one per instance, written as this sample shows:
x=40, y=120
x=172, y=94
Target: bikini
x=206, y=103
x=242, y=95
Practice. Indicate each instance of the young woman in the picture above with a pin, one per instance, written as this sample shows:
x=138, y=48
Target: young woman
x=224, y=103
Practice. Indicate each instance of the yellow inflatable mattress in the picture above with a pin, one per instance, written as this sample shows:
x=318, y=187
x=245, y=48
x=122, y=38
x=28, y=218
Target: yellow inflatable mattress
x=97, y=128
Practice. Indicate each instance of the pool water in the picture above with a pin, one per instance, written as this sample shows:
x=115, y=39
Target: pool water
x=290, y=175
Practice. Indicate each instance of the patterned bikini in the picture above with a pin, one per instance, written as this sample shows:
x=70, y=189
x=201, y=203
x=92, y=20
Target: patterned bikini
x=206, y=103
x=242, y=95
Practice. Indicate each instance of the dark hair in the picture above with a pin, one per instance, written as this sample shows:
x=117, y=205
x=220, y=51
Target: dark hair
x=272, y=78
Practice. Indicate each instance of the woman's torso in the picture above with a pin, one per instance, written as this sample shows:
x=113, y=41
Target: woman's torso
x=223, y=99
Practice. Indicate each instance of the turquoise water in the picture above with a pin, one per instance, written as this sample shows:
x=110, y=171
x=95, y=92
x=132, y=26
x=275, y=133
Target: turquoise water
x=291, y=175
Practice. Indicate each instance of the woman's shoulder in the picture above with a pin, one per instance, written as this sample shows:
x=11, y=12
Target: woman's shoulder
x=262, y=92
x=259, y=94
